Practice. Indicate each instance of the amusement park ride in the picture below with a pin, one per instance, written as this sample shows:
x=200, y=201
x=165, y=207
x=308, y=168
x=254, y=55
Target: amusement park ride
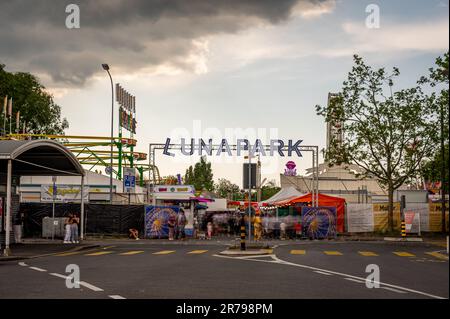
x=95, y=151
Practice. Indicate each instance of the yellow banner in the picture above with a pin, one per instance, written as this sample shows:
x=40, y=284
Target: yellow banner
x=380, y=217
x=435, y=217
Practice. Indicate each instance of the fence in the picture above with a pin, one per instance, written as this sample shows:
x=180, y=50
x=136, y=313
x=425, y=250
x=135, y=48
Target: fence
x=99, y=218
x=365, y=218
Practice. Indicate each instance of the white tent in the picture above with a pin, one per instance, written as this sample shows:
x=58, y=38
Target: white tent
x=284, y=194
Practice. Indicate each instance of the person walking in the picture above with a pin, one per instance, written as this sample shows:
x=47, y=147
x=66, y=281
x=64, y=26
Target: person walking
x=171, y=224
x=18, y=226
x=68, y=229
x=181, y=224
x=74, y=230
x=210, y=230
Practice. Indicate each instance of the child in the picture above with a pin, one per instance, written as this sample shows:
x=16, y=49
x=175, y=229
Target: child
x=210, y=229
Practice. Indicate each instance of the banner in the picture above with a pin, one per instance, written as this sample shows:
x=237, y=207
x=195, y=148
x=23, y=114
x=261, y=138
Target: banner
x=360, y=218
x=156, y=220
x=435, y=218
x=381, y=217
x=412, y=222
x=319, y=222
x=64, y=193
x=422, y=211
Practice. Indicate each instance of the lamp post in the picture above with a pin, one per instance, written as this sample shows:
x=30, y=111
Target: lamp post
x=106, y=68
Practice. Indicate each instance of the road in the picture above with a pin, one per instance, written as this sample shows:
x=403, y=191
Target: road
x=146, y=269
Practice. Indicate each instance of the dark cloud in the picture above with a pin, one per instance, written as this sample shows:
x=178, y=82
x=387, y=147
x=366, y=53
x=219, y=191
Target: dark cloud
x=128, y=34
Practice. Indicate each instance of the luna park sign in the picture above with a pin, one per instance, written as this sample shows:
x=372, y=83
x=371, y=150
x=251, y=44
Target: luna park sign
x=201, y=147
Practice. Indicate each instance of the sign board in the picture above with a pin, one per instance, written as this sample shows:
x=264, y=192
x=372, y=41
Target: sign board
x=64, y=193
x=129, y=179
x=246, y=182
x=174, y=189
x=412, y=222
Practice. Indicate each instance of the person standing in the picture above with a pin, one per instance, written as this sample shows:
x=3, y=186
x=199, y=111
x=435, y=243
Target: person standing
x=283, y=230
x=74, y=229
x=68, y=229
x=171, y=224
x=18, y=226
x=209, y=228
x=181, y=224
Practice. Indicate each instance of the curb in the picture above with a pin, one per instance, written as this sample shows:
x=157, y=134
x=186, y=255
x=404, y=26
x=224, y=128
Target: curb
x=239, y=253
x=75, y=249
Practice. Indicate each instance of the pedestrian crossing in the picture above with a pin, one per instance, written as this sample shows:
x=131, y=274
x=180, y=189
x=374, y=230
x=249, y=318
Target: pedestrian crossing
x=363, y=253
x=294, y=252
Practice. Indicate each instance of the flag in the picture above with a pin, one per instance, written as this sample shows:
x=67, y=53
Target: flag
x=10, y=107
x=18, y=121
x=5, y=105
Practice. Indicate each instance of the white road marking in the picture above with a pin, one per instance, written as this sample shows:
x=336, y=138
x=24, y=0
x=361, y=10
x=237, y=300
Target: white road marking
x=38, y=269
x=116, y=297
x=276, y=260
x=58, y=275
x=355, y=280
x=89, y=286
x=394, y=290
x=323, y=273
x=23, y=264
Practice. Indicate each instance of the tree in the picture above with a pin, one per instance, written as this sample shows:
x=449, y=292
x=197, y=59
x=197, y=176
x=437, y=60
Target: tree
x=387, y=134
x=37, y=109
x=189, y=176
x=200, y=176
x=269, y=190
x=224, y=188
x=170, y=180
x=438, y=79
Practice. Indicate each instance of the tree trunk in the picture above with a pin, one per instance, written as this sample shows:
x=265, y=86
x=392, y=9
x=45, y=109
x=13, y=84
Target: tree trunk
x=391, y=208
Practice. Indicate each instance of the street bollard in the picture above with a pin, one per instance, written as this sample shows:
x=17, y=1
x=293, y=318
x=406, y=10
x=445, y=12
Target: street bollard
x=403, y=230
x=242, y=234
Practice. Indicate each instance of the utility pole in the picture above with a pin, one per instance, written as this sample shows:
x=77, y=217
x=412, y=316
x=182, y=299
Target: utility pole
x=443, y=167
x=106, y=68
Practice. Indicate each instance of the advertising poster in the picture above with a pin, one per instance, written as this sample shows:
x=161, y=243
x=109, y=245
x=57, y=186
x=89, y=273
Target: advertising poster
x=156, y=220
x=381, y=217
x=64, y=193
x=360, y=218
x=412, y=222
x=319, y=222
x=435, y=218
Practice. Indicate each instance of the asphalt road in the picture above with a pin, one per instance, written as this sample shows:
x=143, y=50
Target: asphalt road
x=182, y=270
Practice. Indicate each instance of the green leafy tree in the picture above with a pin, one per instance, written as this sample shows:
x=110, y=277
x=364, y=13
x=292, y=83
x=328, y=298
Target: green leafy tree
x=226, y=189
x=37, y=109
x=200, y=176
x=438, y=79
x=189, y=176
x=387, y=134
x=269, y=190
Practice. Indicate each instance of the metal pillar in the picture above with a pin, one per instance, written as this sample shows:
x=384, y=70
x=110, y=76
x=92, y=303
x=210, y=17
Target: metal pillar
x=82, y=223
x=7, y=251
x=249, y=195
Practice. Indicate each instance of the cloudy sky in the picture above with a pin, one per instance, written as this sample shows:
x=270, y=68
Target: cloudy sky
x=215, y=68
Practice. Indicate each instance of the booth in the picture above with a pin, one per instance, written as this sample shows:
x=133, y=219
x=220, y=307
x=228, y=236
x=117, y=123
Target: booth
x=326, y=201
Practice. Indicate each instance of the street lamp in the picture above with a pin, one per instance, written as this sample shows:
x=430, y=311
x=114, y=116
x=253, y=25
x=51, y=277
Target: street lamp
x=106, y=68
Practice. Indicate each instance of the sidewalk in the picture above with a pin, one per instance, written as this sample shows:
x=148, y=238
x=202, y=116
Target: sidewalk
x=41, y=248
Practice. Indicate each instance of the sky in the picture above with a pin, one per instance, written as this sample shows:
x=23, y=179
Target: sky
x=215, y=69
